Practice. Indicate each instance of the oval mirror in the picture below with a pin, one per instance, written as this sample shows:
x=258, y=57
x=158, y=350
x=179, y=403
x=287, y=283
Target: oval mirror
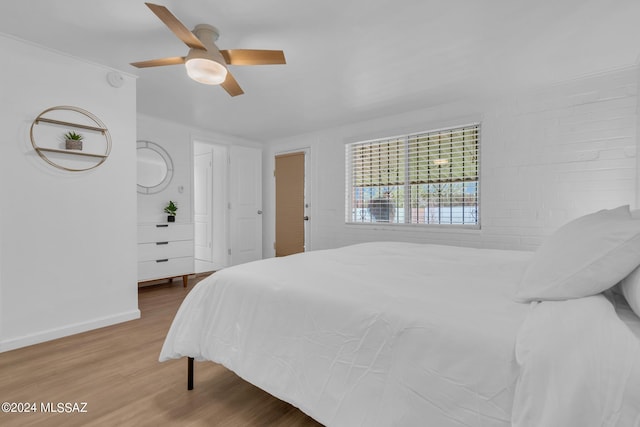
x=155, y=168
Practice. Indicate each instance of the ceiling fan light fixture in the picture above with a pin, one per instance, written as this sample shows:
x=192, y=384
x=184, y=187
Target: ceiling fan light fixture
x=206, y=71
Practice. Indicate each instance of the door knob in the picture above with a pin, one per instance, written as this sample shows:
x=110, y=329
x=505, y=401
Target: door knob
x=306, y=218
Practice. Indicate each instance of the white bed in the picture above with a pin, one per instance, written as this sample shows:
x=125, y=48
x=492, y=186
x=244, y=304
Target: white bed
x=400, y=334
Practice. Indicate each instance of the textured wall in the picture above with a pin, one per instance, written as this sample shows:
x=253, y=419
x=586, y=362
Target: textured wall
x=547, y=156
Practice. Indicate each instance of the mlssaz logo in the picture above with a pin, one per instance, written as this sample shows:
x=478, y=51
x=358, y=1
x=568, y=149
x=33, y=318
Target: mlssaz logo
x=64, y=407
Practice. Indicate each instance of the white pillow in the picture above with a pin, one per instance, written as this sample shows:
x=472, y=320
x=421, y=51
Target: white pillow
x=630, y=286
x=584, y=257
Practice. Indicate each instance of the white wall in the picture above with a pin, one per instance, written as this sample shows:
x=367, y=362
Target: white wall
x=67, y=239
x=546, y=157
x=176, y=140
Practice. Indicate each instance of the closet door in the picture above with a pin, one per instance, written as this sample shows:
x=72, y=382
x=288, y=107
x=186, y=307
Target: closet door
x=203, y=219
x=246, y=204
x=211, y=205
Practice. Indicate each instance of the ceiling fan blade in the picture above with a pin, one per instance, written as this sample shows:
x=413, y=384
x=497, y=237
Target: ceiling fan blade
x=253, y=57
x=159, y=62
x=231, y=85
x=176, y=26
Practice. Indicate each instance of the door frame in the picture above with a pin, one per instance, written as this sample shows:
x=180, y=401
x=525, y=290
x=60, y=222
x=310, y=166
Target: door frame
x=307, y=192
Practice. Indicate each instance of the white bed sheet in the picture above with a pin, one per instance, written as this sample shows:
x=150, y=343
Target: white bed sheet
x=367, y=335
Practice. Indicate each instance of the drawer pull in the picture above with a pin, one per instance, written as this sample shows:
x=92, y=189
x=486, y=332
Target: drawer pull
x=162, y=225
x=162, y=243
x=162, y=260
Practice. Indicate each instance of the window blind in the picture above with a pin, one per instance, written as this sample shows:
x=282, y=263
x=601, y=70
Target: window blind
x=424, y=178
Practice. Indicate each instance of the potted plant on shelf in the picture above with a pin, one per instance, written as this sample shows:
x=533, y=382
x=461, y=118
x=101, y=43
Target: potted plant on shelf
x=73, y=141
x=171, y=209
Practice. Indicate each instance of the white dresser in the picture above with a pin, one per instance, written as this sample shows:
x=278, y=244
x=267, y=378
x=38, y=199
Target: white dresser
x=165, y=251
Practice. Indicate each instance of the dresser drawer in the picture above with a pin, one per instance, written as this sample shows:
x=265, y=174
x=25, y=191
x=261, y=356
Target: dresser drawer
x=149, y=270
x=151, y=233
x=167, y=249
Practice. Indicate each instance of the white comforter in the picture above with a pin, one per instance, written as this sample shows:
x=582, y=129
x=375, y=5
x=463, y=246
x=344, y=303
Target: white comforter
x=382, y=334
x=580, y=366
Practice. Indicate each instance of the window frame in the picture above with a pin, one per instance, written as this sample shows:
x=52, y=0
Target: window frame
x=350, y=187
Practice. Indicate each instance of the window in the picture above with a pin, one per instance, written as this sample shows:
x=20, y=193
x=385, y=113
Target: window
x=424, y=178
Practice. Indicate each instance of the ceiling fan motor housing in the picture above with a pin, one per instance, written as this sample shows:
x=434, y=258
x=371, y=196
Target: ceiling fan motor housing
x=206, y=66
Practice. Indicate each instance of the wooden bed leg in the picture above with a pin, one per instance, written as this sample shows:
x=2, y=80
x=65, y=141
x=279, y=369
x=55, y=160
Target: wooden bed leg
x=190, y=373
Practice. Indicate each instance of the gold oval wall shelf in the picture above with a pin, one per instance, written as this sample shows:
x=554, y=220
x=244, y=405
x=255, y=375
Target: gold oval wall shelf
x=75, y=119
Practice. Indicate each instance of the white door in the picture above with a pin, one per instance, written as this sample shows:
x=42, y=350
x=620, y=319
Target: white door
x=211, y=203
x=246, y=204
x=203, y=164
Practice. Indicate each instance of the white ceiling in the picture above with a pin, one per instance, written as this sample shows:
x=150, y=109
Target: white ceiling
x=347, y=60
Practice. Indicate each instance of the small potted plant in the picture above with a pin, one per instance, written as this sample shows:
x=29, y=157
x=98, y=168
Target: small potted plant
x=171, y=209
x=73, y=141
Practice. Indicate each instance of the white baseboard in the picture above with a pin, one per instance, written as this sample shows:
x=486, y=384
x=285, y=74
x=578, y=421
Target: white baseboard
x=76, y=328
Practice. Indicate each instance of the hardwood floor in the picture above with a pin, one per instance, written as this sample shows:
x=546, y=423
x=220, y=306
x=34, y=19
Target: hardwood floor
x=115, y=370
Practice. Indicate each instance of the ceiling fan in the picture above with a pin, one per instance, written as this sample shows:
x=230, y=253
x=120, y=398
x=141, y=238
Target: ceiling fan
x=206, y=63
